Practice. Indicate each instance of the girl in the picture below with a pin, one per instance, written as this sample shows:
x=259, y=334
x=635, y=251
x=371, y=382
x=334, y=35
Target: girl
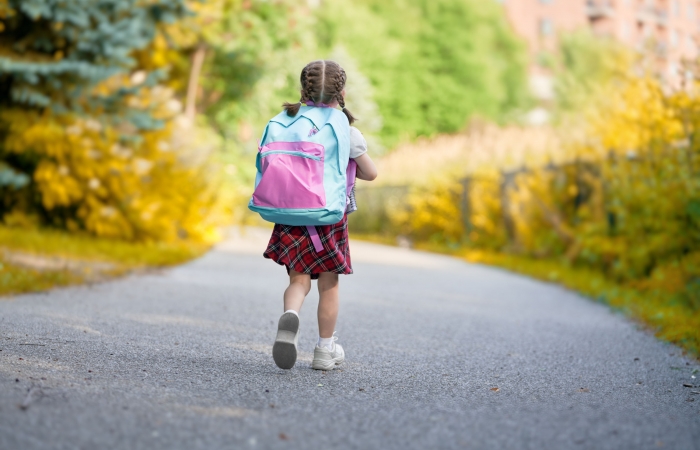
x=322, y=86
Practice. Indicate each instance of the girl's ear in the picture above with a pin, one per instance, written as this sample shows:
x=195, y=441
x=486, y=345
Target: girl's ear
x=343, y=92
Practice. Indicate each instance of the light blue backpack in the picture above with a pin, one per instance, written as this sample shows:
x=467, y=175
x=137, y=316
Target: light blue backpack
x=304, y=176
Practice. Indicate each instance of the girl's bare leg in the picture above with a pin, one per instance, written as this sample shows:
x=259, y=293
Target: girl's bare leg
x=327, y=304
x=299, y=287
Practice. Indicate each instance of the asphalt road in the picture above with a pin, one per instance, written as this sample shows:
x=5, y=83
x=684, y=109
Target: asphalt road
x=440, y=354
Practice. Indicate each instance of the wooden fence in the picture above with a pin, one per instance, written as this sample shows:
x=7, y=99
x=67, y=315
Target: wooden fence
x=375, y=203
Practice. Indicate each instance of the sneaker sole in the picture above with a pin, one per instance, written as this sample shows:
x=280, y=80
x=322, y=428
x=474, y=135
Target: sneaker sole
x=284, y=350
x=324, y=364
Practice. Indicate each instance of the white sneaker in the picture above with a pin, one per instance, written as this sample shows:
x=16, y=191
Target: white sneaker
x=284, y=350
x=325, y=359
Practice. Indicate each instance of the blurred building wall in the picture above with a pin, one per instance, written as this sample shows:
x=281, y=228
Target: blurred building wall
x=666, y=30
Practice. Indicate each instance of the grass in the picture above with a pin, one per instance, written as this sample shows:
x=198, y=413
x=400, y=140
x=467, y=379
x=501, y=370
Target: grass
x=667, y=316
x=17, y=280
x=89, y=258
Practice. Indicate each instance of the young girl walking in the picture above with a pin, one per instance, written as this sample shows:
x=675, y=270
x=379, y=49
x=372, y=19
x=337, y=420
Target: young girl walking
x=322, y=86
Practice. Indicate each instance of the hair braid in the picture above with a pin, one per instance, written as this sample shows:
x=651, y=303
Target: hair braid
x=340, y=80
x=293, y=108
x=321, y=82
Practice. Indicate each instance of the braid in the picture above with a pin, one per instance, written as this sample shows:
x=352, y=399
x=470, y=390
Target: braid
x=340, y=80
x=293, y=108
x=321, y=82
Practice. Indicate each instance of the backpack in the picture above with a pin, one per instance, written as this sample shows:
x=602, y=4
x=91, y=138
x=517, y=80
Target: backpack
x=304, y=173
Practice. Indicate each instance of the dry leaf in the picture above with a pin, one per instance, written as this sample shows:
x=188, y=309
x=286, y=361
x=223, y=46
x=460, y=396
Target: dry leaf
x=584, y=390
x=495, y=389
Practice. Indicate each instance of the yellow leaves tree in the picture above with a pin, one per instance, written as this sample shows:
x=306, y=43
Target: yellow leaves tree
x=626, y=202
x=116, y=180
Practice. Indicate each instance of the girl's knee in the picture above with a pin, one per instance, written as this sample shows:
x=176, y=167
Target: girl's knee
x=300, y=279
x=327, y=280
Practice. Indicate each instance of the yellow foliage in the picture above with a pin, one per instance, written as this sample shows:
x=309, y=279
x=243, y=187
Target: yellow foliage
x=431, y=213
x=485, y=213
x=620, y=207
x=115, y=180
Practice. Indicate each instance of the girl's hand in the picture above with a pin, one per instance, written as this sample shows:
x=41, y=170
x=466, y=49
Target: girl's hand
x=366, y=170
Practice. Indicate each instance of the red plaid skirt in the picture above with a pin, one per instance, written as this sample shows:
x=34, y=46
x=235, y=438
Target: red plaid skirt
x=291, y=246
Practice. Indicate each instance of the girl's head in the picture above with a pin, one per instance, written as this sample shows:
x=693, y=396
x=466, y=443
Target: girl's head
x=321, y=82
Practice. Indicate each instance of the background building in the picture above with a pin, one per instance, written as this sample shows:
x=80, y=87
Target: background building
x=667, y=30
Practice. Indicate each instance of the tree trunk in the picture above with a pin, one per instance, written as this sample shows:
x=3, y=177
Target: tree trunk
x=195, y=70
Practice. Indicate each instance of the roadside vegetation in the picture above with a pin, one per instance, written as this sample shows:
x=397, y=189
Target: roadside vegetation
x=37, y=259
x=607, y=201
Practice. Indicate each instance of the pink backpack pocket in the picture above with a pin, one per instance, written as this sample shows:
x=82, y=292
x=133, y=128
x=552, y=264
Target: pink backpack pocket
x=292, y=176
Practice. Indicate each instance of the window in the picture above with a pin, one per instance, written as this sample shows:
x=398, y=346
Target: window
x=546, y=27
x=672, y=69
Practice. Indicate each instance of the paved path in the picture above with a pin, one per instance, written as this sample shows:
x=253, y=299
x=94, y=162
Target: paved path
x=440, y=354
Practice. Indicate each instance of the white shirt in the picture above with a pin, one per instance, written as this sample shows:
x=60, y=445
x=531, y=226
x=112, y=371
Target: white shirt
x=358, y=144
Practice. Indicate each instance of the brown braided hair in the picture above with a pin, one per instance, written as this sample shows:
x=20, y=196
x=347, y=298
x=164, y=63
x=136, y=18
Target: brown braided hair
x=322, y=81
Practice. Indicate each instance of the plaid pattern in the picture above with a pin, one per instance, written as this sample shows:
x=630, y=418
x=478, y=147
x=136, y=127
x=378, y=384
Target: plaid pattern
x=291, y=246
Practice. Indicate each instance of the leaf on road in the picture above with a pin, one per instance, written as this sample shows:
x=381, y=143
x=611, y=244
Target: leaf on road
x=361, y=389
x=687, y=385
x=319, y=385
x=284, y=437
x=584, y=390
x=495, y=389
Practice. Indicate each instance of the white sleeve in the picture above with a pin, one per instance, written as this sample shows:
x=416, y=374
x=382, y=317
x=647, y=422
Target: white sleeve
x=358, y=144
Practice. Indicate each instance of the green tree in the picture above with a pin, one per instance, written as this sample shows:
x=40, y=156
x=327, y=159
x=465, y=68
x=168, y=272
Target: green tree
x=585, y=68
x=433, y=63
x=54, y=51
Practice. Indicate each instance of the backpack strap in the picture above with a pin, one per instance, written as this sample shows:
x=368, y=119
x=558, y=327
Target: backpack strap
x=313, y=234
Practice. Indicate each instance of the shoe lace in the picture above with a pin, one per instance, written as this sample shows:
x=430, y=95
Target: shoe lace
x=335, y=338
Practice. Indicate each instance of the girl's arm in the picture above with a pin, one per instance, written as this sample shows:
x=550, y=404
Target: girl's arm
x=366, y=170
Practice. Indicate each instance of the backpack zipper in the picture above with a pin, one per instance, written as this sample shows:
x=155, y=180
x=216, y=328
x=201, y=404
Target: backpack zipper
x=291, y=153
